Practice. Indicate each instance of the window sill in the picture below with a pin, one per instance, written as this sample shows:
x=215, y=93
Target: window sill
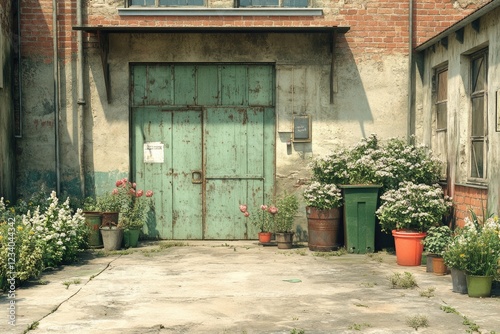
x=164, y=11
x=473, y=184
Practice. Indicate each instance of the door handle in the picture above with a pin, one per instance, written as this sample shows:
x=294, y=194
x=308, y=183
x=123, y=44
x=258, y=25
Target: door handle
x=196, y=176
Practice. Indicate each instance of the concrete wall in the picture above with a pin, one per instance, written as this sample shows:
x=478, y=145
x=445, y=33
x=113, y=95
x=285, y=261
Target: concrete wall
x=7, y=158
x=370, y=81
x=456, y=55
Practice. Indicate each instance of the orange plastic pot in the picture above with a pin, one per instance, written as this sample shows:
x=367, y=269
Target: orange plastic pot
x=409, y=247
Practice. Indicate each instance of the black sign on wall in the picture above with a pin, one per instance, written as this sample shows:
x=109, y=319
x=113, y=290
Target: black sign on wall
x=302, y=129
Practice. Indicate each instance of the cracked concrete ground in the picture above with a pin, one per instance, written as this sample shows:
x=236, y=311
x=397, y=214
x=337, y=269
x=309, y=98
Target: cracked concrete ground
x=241, y=287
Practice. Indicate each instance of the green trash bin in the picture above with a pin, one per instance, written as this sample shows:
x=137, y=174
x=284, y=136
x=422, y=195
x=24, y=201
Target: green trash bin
x=360, y=204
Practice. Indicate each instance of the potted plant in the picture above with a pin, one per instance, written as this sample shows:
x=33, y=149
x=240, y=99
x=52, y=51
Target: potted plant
x=435, y=243
x=481, y=254
x=323, y=202
x=454, y=258
x=408, y=212
x=135, y=205
x=263, y=220
x=93, y=220
x=287, y=207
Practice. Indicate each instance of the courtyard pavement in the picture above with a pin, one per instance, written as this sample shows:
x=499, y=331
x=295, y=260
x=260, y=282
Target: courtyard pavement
x=242, y=287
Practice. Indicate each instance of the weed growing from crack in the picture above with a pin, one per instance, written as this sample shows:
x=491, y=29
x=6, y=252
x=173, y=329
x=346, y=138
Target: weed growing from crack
x=358, y=327
x=473, y=327
x=339, y=252
x=448, y=309
x=428, y=293
x=417, y=321
x=403, y=281
x=297, y=331
x=68, y=283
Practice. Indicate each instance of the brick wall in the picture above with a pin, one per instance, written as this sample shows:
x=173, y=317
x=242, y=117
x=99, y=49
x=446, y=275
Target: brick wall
x=377, y=27
x=467, y=199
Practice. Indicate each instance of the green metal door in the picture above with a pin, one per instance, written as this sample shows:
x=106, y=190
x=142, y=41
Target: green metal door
x=210, y=130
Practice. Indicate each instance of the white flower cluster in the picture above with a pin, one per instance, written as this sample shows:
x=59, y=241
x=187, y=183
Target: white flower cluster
x=60, y=233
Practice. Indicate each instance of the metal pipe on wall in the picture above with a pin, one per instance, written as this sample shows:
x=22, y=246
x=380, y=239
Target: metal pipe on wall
x=80, y=99
x=56, y=97
x=410, y=117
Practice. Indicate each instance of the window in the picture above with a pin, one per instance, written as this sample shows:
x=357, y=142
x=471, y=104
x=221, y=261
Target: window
x=273, y=3
x=441, y=112
x=478, y=118
x=161, y=3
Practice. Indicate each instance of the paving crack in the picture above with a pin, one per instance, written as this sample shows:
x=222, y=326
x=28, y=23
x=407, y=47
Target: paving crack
x=34, y=324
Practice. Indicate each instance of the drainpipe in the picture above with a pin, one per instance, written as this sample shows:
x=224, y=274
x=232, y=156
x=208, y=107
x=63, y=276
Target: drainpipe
x=56, y=97
x=19, y=72
x=410, y=116
x=81, y=98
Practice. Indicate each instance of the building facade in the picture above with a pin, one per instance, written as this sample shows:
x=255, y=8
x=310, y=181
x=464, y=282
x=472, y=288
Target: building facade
x=213, y=103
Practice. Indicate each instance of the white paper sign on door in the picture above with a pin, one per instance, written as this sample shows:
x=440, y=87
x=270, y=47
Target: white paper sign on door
x=153, y=153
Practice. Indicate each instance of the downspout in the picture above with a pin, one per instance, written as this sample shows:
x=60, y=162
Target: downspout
x=56, y=97
x=19, y=72
x=410, y=116
x=81, y=98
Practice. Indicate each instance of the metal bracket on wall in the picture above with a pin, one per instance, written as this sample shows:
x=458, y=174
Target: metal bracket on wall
x=104, y=49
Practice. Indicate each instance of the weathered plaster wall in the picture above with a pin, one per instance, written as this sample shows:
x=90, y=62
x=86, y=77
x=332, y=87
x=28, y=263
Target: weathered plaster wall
x=7, y=158
x=370, y=80
x=456, y=54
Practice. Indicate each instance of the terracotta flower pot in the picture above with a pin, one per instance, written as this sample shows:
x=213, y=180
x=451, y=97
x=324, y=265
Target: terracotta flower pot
x=438, y=266
x=265, y=237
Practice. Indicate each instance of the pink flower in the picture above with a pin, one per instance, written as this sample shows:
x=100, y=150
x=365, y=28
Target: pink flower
x=139, y=193
x=149, y=193
x=119, y=183
x=273, y=210
x=134, y=185
x=246, y=214
x=131, y=191
x=243, y=208
x=115, y=191
x=263, y=207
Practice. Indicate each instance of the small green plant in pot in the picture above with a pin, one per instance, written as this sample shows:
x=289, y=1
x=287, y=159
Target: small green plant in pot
x=437, y=240
x=288, y=207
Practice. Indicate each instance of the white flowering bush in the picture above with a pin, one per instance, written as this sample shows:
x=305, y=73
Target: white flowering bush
x=414, y=207
x=475, y=248
x=323, y=196
x=60, y=233
x=373, y=162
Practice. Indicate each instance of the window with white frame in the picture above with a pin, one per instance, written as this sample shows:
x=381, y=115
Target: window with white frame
x=441, y=115
x=478, y=143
